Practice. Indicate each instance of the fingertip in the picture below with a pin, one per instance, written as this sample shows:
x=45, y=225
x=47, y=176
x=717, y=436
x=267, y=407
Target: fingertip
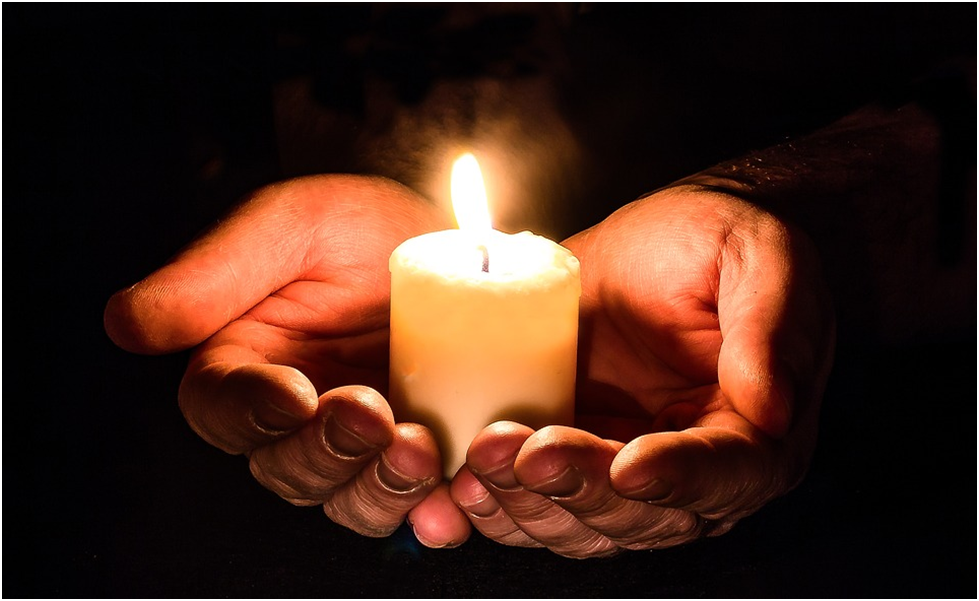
x=355, y=401
x=437, y=522
x=164, y=313
x=121, y=323
x=240, y=407
x=622, y=472
x=470, y=495
x=556, y=460
x=281, y=397
x=646, y=468
x=463, y=485
x=496, y=446
x=358, y=420
x=705, y=469
x=413, y=458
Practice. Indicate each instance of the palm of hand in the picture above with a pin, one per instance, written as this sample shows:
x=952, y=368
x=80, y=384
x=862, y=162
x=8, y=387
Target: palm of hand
x=330, y=324
x=650, y=334
x=702, y=320
x=687, y=285
x=326, y=309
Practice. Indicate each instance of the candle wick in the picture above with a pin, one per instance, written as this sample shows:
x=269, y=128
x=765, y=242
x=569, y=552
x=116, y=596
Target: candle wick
x=485, y=257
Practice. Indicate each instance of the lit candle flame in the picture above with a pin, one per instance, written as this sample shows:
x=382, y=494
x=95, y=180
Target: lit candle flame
x=469, y=196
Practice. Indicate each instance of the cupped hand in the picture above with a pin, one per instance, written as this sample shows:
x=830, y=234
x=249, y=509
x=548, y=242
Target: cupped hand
x=705, y=344
x=286, y=302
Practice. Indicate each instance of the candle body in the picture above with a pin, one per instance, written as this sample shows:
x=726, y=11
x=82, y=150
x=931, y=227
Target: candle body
x=470, y=347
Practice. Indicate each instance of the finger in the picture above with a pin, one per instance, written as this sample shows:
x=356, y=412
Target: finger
x=774, y=321
x=491, y=459
x=254, y=251
x=437, y=522
x=272, y=239
x=352, y=426
x=571, y=467
x=485, y=513
x=240, y=406
x=718, y=470
x=376, y=502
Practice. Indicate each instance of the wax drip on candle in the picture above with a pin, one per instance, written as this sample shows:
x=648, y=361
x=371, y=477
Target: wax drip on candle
x=485, y=252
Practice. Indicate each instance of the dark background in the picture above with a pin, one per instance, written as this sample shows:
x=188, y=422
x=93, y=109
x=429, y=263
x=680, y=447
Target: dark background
x=132, y=128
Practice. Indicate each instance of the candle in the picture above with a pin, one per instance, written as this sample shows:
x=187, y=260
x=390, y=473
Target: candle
x=484, y=326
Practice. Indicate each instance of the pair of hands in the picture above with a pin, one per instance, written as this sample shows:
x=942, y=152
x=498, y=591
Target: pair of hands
x=705, y=342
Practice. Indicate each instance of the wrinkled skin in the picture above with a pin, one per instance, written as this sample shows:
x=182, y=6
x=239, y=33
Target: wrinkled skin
x=706, y=340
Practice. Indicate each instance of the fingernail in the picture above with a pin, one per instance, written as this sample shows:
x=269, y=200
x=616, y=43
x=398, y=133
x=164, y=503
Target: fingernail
x=271, y=417
x=564, y=484
x=345, y=442
x=482, y=506
x=395, y=481
x=501, y=477
x=656, y=490
x=429, y=543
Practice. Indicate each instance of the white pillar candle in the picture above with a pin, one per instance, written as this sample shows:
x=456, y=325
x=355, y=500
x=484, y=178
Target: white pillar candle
x=484, y=327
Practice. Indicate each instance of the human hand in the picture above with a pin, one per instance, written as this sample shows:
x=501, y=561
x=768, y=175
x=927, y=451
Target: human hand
x=288, y=301
x=705, y=344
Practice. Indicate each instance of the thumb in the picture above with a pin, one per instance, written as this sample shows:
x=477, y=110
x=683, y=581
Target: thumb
x=773, y=310
x=253, y=251
x=269, y=241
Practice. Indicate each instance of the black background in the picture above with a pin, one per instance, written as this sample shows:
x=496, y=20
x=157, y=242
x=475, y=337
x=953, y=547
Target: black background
x=131, y=128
